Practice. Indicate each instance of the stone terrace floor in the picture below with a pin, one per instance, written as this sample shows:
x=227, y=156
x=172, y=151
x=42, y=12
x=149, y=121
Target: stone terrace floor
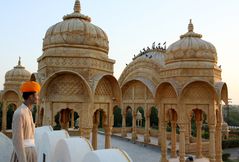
x=140, y=152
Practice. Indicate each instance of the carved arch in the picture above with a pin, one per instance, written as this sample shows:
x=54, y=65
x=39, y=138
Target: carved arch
x=48, y=81
x=108, y=85
x=222, y=91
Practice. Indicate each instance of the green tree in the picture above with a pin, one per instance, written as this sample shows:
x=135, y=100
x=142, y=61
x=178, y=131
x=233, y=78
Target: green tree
x=129, y=118
x=57, y=121
x=154, y=118
x=117, y=117
x=231, y=113
x=10, y=113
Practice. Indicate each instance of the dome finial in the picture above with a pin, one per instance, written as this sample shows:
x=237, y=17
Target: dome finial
x=77, y=7
x=19, y=61
x=190, y=26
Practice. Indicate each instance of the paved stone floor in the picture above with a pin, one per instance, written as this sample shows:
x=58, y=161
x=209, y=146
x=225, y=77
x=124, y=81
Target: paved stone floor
x=150, y=153
x=138, y=152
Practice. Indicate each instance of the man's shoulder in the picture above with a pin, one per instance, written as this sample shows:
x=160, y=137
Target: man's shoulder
x=19, y=110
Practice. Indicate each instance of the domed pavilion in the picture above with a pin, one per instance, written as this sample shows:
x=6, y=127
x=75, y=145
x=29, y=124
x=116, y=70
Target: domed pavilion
x=11, y=95
x=191, y=89
x=184, y=84
x=77, y=77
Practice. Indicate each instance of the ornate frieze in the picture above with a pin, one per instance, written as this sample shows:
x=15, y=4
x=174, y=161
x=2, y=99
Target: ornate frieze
x=76, y=62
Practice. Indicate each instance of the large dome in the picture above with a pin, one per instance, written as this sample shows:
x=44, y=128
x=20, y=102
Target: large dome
x=191, y=47
x=76, y=31
x=18, y=73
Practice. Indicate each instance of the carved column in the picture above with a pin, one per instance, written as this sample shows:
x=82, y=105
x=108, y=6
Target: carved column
x=37, y=115
x=134, y=135
x=212, y=143
x=94, y=136
x=219, y=142
x=159, y=130
x=123, y=130
x=173, y=139
x=199, y=139
x=147, y=127
x=182, y=142
x=108, y=137
x=188, y=132
x=72, y=119
x=163, y=139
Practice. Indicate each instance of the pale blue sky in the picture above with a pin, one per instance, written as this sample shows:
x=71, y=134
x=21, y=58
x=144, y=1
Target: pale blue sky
x=130, y=25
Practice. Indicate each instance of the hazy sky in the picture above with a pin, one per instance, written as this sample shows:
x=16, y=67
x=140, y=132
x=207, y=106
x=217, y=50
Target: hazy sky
x=130, y=25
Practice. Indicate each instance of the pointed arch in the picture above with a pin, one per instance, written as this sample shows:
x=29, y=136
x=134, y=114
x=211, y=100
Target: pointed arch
x=222, y=91
x=165, y=86
x=115, y=88
x=193, y=84
x=148, y=83
x=5, y=93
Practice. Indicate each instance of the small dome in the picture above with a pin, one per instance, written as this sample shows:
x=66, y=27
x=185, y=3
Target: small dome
x=155, y=54
x=18, y=73
x=191, y=47
x=76, y=31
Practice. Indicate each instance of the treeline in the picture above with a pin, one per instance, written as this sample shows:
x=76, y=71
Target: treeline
x=231, y=114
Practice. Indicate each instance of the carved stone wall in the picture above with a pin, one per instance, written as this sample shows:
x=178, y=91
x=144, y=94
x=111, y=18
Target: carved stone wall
x=66, y=87
x=104, y=88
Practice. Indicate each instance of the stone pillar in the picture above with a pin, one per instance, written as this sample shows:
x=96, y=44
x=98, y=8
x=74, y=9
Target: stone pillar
x=147, y=128
x=199, y=139
x=163, y=139
x=212, y=143
x=4, y=117
x=94, y=136
x=108, y=137
x=123, y=129
x=37, y=115
x=72, y=119
x=134, y=134
x=219, y=142
x=188, y=133
x=173, y=139
x=159, y=131
x=182, y=142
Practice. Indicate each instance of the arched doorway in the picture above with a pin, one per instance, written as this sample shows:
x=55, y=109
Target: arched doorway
x=172, y=127
x=199, y=131
x=99, y=122
x=66, y=119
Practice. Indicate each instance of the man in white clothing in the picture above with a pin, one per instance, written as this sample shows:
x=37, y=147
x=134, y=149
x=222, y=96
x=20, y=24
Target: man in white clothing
x=23, y=128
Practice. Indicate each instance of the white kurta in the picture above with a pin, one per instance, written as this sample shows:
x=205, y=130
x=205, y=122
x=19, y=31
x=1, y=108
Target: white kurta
x=23, y=130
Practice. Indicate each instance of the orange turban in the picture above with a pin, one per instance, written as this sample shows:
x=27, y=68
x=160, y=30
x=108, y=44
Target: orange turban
x=30, y=86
